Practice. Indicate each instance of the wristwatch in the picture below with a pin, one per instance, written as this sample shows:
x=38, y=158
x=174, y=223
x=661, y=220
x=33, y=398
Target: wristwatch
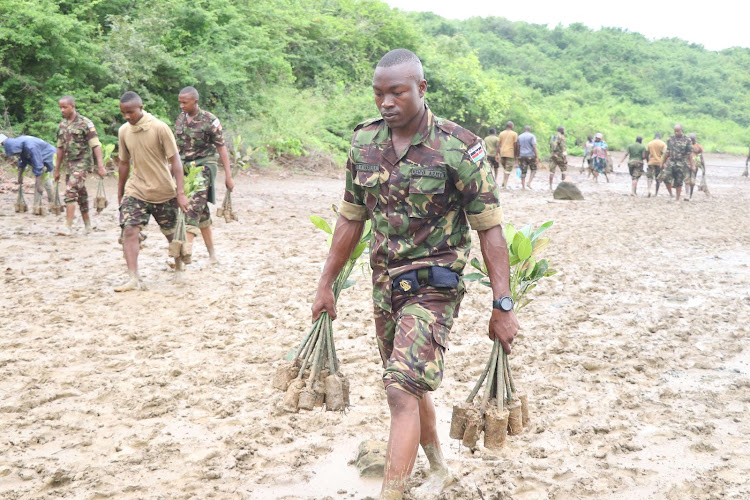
x=503, y=303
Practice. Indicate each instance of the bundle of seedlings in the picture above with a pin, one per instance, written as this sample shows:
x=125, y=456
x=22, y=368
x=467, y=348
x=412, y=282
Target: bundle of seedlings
x=502, y=410
x=57, y=207
x=100, y=202
x=20, y=204
x=312, y=377
x=180, y=248
x=226, y=209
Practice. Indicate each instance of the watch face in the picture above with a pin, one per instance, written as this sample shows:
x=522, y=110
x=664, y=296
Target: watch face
x=506, y=303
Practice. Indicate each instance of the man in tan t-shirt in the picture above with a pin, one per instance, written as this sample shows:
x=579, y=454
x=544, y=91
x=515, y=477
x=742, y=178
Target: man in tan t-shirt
x=508, y=153
x=654, y=154
x=154, y=185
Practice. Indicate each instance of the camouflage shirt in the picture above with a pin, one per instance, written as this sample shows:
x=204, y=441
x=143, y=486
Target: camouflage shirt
x=421, y=203
x=77, y=138
x=198, y=138
x=679, y=149
x=560, y=148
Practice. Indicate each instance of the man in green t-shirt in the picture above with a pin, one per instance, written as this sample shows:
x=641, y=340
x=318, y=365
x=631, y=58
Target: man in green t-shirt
x=491, y=143
x=637, y=153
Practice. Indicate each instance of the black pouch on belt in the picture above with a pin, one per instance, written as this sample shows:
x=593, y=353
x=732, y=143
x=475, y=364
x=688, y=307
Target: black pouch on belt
x=438, y=277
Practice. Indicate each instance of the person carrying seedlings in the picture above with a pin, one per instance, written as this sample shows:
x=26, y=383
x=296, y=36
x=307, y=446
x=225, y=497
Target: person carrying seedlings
x=39, y=155
x=654, y=154
x=76, y=141
x=677, y=161
x=153, y=187
x=422, y=182
x=508, y=153
x=200, y=138
x=528, y=158
x=558, y=155
x=637, y=153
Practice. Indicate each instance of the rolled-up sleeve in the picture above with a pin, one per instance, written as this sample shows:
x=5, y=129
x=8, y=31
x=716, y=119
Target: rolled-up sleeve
x=479, y=193
x=353, y=205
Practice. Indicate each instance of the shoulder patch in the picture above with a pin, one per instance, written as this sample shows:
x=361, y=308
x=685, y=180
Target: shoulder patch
x=457, y=131
x=476, y=152
x=368, y=122
x=90, y=125
x=216, y=123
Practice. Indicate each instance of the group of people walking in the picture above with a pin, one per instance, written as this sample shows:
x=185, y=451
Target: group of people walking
x=674, y=163
x=152, y=163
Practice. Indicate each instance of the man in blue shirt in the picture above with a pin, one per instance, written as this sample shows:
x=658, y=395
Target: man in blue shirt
x=37, y=153
x=528, y=158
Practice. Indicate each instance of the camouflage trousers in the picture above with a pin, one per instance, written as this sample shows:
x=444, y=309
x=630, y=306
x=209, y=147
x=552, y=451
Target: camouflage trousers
x=673, y=174
x=653, y=171
x=135, y=212
x=198, y=215
x=508, y=163
x=556, y=162
x=75, y=190
x=636, y=168
x=526, y=163
x=413, y=337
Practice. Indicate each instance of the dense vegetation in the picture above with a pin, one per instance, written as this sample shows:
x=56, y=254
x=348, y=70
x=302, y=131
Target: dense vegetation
x=294, y=75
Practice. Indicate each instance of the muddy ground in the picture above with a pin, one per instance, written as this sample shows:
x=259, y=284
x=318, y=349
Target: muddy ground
x=635, y=355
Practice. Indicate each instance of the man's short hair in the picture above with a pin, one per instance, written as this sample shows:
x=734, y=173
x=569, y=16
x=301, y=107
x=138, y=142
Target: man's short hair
x=509, y=124
x=639, y=139
x=70, y=99
x=657, y=135
x=191, y=91
x=130, y=97
x=492, y=130
x=527, y=128
x=402, y=56
x=561, y=129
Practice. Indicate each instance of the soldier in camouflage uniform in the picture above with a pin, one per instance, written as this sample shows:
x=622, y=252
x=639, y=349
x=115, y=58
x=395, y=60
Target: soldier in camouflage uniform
x=423, y=184
x=558, y=156
x=76, y=141
x=698, y=163
x=677, y=161
x=200, y=138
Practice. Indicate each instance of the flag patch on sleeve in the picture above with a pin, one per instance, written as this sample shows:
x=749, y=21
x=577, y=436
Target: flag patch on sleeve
x=477, y=153
x=216, y=123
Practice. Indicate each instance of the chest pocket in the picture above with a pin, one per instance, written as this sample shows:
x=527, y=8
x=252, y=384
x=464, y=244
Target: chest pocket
x=368, y=175
x=426, y=192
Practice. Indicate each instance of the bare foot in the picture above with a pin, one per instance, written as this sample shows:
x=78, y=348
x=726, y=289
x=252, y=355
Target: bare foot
x=132, y=284
x=438, y=481
x=212, y=260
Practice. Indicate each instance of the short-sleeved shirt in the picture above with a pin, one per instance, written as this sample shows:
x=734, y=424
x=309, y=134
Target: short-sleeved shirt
x=199, y=137
x=559, y=147
x=587, y=149
x=148, y=145
x=526, y=143
x=656, y=150
x=422, y=202
x=77, y=138
x=599, y=150
x=635, y=151
x=508, y=139
x=679, y=149
x=491, y=142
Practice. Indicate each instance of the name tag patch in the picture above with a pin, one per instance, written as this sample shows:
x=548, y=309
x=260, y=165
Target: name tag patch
x=428, y=172
x=476, y=152
x=367, y=167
